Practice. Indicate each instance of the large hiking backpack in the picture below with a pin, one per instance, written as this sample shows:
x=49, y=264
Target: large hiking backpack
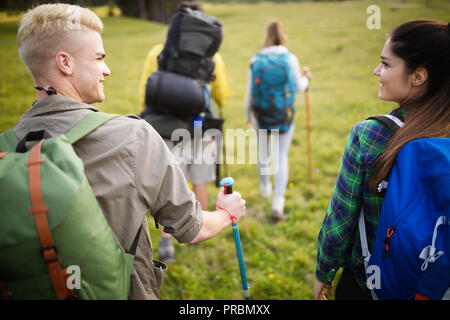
x=180, y=87
x=51, y=224
x=273, y=91
x=192, y=40
x=410, y=256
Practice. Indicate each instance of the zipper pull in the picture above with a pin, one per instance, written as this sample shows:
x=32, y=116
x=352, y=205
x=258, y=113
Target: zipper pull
x=387, y=240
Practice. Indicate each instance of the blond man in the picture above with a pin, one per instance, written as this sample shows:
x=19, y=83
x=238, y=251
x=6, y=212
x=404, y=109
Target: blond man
x=128, y=165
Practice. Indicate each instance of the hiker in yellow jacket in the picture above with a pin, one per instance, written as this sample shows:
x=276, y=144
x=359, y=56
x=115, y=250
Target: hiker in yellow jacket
x=198, y=174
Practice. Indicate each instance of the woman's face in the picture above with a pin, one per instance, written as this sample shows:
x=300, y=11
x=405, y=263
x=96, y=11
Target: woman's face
x=395, y=80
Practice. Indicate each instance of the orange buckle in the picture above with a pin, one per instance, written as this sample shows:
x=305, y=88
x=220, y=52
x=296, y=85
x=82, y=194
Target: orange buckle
x=50, y=254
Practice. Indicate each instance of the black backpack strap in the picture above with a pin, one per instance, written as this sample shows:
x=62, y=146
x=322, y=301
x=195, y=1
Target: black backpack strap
x=134, y=245
x=386, y=121
x=34, y=136
x=392, y=121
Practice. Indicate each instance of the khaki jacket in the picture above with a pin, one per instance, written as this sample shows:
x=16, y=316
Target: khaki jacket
x=131, y=171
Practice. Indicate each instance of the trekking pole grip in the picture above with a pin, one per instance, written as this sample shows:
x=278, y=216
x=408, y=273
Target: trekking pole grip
x=228, y=184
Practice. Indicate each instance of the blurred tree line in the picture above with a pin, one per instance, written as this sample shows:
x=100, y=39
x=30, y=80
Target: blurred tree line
x=252, y=1
x=22, y=5
x=155, y=10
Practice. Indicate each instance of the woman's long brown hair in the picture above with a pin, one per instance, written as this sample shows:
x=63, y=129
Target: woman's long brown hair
x=275, y=34
x=420, y=43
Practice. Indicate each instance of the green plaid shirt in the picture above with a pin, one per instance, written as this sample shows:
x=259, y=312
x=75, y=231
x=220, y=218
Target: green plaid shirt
x=338, y=243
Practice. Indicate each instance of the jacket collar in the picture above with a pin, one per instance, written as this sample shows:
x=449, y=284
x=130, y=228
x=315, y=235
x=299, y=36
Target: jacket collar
x=56, y=103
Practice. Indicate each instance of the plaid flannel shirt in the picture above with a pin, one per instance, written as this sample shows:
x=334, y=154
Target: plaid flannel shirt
x=338, y=242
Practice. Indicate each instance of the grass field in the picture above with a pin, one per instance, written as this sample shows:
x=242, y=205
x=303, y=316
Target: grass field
x=329, y=37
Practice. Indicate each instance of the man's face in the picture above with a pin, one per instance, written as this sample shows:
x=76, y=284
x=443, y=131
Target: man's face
x=89, y=69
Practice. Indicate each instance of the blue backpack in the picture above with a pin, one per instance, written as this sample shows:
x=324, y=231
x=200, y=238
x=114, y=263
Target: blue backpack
x=411, y=255
x=273, y=91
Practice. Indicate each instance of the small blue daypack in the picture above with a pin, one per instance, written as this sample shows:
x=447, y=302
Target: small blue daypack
x=411, y=254
x=273, y=91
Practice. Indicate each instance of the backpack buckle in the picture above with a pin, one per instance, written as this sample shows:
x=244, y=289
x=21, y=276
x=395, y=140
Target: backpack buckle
x=383, y=185
x=50, y=254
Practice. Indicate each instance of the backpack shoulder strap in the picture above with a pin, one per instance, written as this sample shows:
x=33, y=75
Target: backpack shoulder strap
x=394, y=121
x=8, y=140
x=87, y=125
x=363, y=239
x=365, y=248
x=260, y=55
x=390, y=121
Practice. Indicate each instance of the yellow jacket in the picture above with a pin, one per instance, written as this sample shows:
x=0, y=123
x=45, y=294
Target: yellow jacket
x=220, y=88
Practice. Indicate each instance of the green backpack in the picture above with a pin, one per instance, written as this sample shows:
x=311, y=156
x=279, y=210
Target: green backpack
x=51, y=225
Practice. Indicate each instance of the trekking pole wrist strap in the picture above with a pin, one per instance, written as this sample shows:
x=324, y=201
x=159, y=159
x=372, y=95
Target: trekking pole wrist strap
x=234, y=219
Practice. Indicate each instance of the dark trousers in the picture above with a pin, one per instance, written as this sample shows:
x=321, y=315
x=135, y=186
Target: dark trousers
x=349, y=289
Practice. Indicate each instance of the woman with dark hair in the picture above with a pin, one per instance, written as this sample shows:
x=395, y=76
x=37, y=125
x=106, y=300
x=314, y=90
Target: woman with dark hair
x=415, y=73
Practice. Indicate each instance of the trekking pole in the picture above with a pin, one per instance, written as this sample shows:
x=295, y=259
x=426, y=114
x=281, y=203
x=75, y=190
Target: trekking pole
x=227, y=183
x=223, y=153
x=308, y=134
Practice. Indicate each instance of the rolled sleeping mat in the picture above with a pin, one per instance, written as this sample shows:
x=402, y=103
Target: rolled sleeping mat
x=172, y=93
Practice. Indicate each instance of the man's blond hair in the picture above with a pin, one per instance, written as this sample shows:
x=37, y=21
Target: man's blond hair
x=48, y=28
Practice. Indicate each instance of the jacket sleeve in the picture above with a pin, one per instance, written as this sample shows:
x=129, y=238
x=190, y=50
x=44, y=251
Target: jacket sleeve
x=339, y=224
x=163, y=186
x=220, y=88
x=302, y=82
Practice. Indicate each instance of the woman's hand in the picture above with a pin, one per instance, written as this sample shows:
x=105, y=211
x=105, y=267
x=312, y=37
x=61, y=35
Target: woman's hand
x=307, y=73
x=318, y=290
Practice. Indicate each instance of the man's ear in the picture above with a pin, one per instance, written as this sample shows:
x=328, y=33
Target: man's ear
x=419, y=76
x=64, y=62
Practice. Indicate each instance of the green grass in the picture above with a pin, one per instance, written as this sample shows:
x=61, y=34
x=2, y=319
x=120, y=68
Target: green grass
x=329, y=37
